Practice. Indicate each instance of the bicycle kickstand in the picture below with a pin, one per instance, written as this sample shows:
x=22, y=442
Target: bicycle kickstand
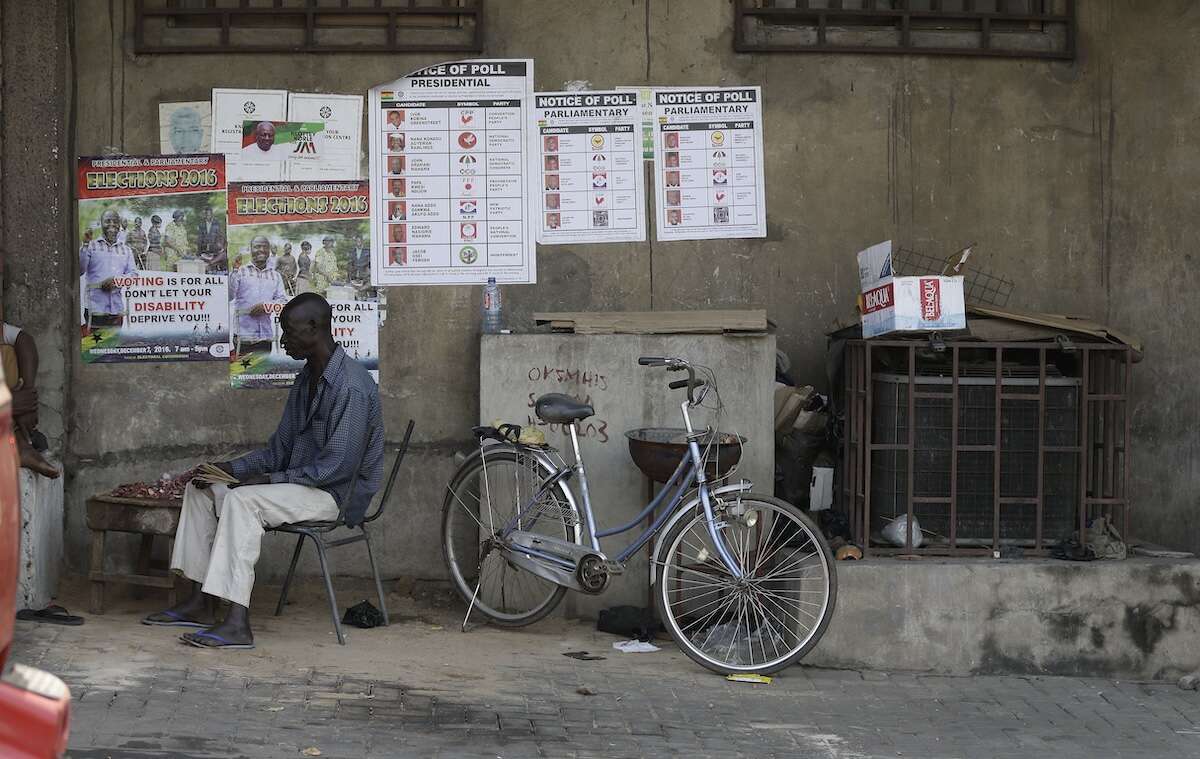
x=471, y=606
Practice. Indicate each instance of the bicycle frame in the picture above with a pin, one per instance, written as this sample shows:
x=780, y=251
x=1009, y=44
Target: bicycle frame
x=689, y=471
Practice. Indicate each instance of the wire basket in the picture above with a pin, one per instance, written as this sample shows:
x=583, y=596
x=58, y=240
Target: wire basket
x=979, y=287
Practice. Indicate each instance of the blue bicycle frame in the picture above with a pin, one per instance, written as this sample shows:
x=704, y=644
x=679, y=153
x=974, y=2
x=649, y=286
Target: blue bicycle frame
x=690, y=470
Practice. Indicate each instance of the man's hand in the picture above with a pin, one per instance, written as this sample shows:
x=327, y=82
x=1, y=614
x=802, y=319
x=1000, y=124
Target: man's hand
x=108, y=285
x=258, y=310
x=222, y=465
x=254, y=479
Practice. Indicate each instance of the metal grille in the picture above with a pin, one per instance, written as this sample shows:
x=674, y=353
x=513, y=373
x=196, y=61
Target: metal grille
x=979, y=287
x=992, y=28
x=307, y=26
x=1006, y=448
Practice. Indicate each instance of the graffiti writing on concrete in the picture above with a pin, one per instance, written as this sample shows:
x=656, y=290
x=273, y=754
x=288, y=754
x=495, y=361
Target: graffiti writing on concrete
x=584, y=377
x=584, y=381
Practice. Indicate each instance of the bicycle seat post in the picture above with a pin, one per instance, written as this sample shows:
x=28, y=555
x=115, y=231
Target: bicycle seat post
x=583, y=487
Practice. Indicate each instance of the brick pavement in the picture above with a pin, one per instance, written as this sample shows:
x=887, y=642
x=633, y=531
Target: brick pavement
x=420, y=688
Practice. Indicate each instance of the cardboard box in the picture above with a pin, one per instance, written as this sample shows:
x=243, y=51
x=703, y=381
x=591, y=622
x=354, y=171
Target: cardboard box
x=906, y=304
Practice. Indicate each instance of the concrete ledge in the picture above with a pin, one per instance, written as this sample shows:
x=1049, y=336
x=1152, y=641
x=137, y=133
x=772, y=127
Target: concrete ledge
x=1136, y=619
x=41, y=539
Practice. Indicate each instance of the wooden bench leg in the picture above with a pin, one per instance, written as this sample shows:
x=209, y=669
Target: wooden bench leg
x=97, y=605
x=143, y=563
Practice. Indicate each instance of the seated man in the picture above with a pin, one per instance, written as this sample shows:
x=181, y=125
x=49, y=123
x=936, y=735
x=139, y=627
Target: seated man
x=21, y=376
x=309, y=467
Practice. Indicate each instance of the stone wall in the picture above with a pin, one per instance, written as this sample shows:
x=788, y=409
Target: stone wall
x=1076, y=179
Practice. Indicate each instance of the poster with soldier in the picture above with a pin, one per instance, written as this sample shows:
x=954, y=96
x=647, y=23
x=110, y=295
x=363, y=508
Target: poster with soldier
x=152, y=258
x=286, y=238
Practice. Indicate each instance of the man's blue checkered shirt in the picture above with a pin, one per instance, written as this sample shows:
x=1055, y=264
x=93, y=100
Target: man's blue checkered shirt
x=323, y=448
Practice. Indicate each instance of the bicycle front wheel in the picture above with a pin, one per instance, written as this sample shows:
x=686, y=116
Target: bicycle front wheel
x=759, y=623
x=481, y=499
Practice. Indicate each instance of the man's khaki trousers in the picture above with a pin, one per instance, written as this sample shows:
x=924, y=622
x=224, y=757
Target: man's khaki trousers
x=221, y=529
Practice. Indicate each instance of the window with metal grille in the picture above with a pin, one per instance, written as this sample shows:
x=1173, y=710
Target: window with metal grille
x=307, y=26
x=995, y=28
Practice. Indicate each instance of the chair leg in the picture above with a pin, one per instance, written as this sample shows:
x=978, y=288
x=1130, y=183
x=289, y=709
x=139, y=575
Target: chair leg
x=333, y=607
x=287, y=581
x=375, y=572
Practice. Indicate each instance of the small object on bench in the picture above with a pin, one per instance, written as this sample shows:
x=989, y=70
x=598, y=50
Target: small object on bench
x=141, y=516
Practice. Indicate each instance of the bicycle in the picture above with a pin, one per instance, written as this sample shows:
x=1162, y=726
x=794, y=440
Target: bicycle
x=744, y=583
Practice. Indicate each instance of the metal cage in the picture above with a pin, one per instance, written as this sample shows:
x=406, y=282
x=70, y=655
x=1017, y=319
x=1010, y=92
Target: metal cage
x=1009, y=444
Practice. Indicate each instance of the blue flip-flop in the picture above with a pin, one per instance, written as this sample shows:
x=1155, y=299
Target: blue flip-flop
x=195, y=639
x=176, y=620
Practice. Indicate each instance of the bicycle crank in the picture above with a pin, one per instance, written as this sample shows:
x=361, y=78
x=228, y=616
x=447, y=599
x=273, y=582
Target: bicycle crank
x=592, y=573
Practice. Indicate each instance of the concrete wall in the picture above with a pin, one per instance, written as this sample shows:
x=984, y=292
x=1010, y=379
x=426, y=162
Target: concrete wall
x=1076, y=179
x=1134, y=619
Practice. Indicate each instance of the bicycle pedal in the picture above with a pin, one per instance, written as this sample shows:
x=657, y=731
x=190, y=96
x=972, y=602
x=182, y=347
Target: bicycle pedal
x=614, y=567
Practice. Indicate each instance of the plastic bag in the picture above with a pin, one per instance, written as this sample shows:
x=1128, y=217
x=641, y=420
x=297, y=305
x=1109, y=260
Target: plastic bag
x=895, y=531
x=363, y=615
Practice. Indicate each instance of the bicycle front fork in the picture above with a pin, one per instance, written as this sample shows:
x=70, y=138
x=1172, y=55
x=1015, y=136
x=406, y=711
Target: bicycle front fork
x=702, y=483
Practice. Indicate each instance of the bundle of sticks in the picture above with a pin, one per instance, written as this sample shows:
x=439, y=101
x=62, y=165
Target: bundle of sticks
x=214, y=475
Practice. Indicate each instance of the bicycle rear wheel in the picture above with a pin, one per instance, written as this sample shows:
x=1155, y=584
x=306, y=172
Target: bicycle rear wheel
x=765, y=621
x=481, y=499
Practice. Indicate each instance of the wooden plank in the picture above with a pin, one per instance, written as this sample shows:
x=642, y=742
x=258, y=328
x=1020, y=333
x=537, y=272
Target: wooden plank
x=657, y=322
x=149, y=503
x=152, y=581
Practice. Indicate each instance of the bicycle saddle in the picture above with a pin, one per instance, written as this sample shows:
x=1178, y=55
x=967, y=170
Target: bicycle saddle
x=558, y=408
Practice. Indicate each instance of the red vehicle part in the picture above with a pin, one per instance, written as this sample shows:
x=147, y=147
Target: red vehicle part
x=34, y=705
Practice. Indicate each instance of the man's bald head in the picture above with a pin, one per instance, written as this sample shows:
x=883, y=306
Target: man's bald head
x=264, y=135
x=306, y=321
x=310, y=307
x=110, y=223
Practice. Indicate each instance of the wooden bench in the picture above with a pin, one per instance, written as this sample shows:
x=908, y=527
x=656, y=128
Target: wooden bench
x=141, y=516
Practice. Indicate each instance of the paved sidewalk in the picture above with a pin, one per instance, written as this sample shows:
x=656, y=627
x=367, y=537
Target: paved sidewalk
x=421, y=688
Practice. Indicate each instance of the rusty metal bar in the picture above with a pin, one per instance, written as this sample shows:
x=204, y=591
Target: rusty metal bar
x=1041, y=457
x=996, y=454
x=1128, y=410
x=1110, y=432
x=909, y=473
x=954, y=449
x=869, y=460
x=1085, y=463
x=309, y=18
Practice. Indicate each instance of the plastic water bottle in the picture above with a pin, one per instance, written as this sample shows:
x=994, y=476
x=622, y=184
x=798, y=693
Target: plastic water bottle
x=491, y=307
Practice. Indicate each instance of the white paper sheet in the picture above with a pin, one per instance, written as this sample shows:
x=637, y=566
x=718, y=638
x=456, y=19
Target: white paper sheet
x=184, y=127
x=342, y=116
x=591, y=184
x=708, y=163
x=452, y=153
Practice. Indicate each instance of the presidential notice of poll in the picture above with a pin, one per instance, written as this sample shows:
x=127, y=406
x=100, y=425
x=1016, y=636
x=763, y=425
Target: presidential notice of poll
x=452, y=155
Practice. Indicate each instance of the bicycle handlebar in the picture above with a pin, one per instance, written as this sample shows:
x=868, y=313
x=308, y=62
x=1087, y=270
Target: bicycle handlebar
x=676, y=365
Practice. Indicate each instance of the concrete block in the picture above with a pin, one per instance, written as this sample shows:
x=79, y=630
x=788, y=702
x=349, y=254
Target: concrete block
x=602, y=370
x=41, y=539
x=1119, y=619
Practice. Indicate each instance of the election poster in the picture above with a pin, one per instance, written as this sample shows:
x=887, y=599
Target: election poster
x=342, y=117
x=184, y=127
x=230, y=108
x=592, y=185
x=452, y=152
x=151, y=258
x=273, y=151
x=708, y=170
x=287, y=238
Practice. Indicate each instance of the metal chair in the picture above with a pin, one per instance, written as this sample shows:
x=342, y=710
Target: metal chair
x=319, y=530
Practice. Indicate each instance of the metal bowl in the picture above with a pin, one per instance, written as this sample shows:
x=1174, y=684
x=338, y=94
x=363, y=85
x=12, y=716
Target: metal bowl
x=657, y=451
